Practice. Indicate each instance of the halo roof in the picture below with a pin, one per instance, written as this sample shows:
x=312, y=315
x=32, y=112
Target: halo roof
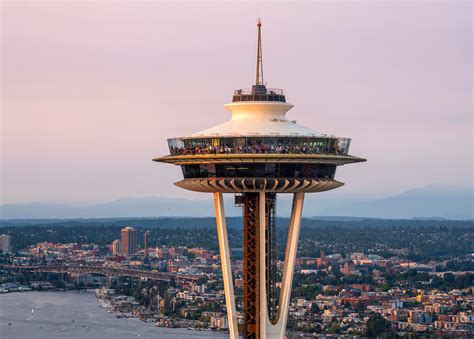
x=257, y=119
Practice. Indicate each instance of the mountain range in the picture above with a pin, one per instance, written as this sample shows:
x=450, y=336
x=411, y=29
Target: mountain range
x=433, y=202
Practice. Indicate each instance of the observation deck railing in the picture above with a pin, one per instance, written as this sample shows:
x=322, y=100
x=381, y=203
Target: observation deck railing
x=259, y=94
x=335, y=146
x=249, y=91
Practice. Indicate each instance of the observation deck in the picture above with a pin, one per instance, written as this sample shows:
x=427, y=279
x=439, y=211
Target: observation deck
x=249, y=164
x=259, y=93
x=265, y=149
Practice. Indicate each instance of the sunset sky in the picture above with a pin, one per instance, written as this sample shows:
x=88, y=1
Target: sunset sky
x=91, y=91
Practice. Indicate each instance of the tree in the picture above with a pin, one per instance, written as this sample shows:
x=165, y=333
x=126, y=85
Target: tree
x=376, y=325
x=201, y=281
x=316, y=329
x=59, y=284
x=334, y=328
x=385, y=287
x=315, y=308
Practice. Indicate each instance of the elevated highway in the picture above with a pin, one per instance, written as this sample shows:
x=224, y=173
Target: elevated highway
x=106, y=271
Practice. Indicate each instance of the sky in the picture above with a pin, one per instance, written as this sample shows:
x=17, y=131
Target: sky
x=90, y=91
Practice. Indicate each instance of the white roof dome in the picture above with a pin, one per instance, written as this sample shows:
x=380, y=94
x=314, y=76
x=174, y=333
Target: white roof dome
x=257, y=118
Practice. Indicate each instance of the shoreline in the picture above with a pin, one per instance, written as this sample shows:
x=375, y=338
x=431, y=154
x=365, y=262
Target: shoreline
x=112, y=303
x=77, y=315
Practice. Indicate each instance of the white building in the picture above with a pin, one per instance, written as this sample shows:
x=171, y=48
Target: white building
x=5, y=243
x=116, y=247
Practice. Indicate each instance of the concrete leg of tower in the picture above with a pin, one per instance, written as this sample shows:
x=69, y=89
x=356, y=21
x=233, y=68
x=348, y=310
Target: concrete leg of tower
x=226, y=266
x=267, y=329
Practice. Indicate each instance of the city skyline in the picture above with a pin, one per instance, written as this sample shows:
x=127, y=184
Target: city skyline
x=96, y=91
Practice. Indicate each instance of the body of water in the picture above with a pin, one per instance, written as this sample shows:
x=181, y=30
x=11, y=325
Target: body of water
x=75, y=315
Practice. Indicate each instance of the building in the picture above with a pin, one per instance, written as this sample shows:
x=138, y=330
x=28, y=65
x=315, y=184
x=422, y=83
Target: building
x=5, y=243
x=348, y=268
x=255, y=155
x=219, y=321
x=128, y=241
x=116, y=247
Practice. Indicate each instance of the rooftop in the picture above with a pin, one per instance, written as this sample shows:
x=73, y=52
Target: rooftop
x=257, y=118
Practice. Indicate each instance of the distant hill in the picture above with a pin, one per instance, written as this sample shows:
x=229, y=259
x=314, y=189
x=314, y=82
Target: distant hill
x=431, y=202
x=121, y=208
x=435, y=201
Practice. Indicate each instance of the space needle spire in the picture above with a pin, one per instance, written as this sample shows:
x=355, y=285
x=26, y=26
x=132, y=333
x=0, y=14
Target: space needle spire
x=259, y=73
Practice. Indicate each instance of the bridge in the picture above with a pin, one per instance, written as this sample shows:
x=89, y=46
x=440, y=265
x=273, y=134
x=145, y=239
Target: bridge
x=106, y=271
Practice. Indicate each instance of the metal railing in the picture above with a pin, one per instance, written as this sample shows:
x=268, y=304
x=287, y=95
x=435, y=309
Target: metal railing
x=248, y=91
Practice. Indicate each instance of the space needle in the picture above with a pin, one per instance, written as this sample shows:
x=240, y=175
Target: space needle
x=255, y=155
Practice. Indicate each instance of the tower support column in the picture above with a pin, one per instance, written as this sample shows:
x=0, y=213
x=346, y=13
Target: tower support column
x=226, y=265
x=277, y=329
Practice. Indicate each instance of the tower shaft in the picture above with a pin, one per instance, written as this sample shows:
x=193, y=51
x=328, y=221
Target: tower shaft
x=252, y=243
x=251, y=276
x=271, y=255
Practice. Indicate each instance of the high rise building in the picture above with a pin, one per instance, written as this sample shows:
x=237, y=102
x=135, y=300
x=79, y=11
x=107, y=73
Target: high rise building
x=128, y=236
x=145, y=238
x=5, y=243
x=116, y=247
x=256, y=155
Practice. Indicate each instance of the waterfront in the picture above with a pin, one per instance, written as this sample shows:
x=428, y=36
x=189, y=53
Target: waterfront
x=75, y=315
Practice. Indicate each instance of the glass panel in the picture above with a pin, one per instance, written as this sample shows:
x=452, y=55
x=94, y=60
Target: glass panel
x=281, y=145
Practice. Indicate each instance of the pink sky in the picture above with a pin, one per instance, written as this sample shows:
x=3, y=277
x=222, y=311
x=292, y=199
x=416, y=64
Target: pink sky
x=91, y=91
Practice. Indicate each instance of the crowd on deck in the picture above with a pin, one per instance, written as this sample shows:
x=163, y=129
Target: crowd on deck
x=304, y=148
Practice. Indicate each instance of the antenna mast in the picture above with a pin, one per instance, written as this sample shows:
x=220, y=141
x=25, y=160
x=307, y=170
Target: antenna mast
x=259, y=76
